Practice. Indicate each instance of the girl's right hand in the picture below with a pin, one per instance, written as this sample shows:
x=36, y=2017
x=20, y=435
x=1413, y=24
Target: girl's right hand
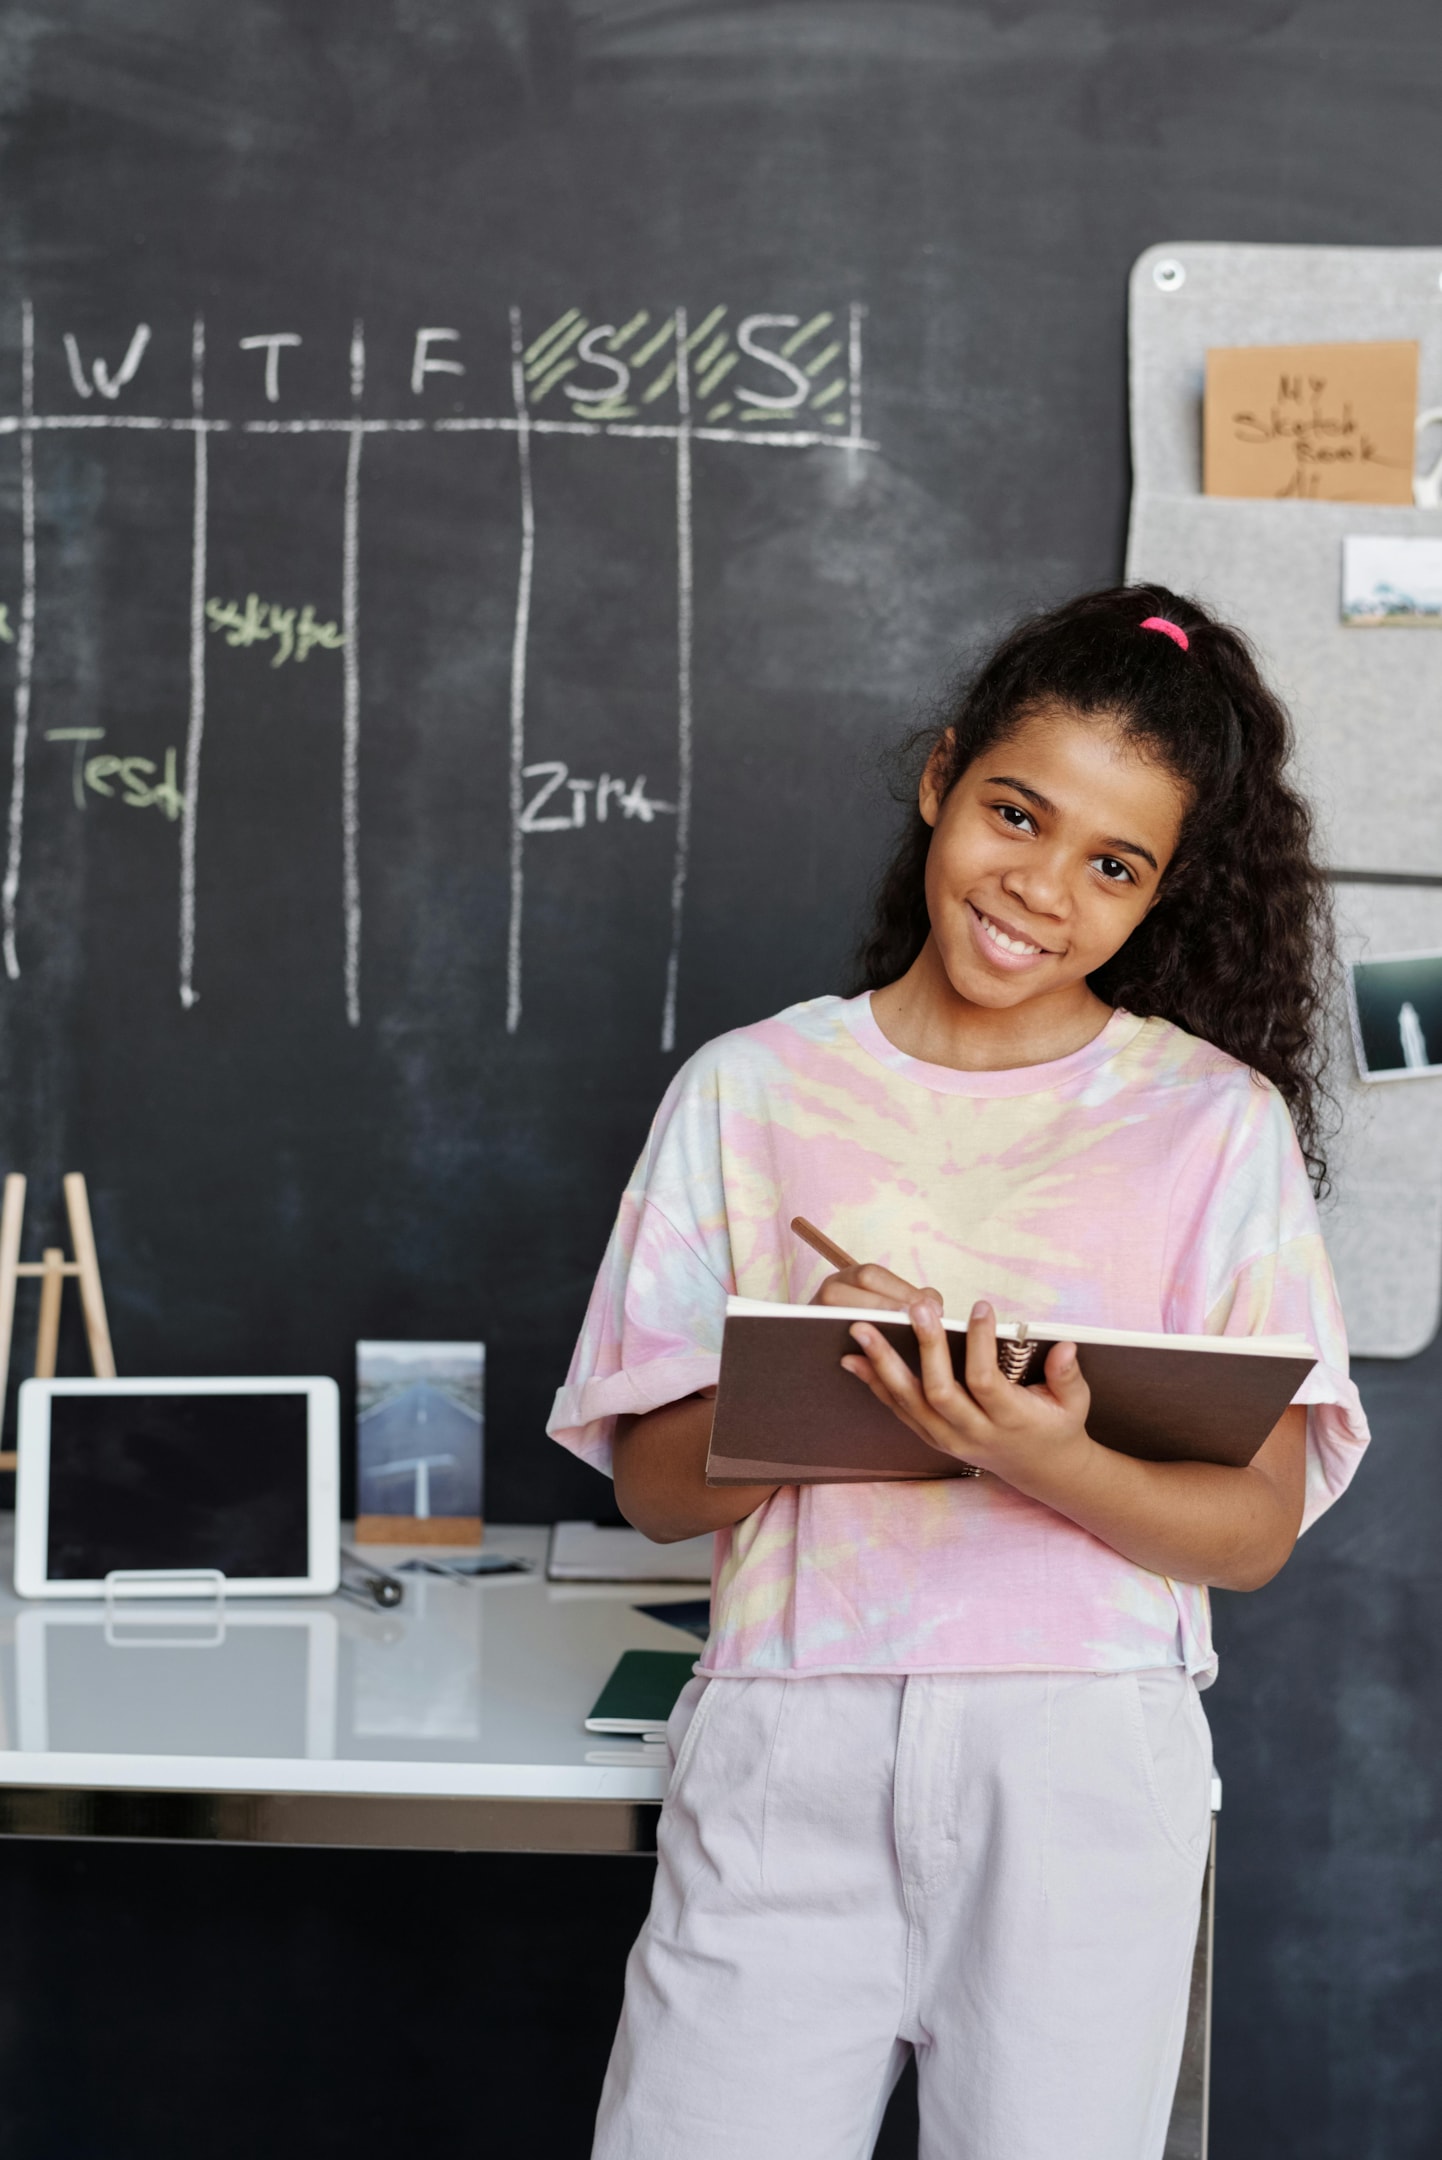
x=873, y=1285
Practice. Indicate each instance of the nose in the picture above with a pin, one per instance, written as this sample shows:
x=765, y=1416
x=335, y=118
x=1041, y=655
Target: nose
x=1038, y=884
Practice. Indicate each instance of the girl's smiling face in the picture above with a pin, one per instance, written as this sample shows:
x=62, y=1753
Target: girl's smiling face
x=1045, y=855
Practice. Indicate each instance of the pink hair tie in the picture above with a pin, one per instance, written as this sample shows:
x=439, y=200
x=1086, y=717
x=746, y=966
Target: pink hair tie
x=1168, y=629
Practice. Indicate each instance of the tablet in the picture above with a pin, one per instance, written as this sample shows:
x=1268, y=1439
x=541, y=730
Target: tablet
x=241, y=1476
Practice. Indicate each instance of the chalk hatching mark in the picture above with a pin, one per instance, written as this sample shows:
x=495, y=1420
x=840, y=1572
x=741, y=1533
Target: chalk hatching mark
x=653, y=345
x=541, y=366
x=808, y=330
x=538, y=346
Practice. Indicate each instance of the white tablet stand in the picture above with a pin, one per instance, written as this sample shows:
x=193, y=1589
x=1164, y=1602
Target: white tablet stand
x=158, y=1628
x=52, y=1268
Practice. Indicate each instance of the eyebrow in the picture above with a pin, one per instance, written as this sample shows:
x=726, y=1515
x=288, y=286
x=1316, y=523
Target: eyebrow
x=1113, y=847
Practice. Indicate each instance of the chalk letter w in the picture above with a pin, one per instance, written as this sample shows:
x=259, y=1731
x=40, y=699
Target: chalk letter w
x=108, y=385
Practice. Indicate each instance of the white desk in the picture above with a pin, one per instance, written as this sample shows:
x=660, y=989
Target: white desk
x=453, y=1721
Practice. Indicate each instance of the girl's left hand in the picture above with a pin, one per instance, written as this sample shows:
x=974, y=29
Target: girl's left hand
x=1030, y=1436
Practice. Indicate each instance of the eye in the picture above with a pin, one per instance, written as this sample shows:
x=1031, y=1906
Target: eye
x=1115, y=872
x=1018, y=819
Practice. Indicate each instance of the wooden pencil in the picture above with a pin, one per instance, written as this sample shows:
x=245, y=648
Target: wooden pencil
x=821, y=1243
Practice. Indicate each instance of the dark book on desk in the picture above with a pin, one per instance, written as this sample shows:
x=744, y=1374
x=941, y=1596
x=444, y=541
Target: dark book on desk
x=786, y=1412
x=641, y=1692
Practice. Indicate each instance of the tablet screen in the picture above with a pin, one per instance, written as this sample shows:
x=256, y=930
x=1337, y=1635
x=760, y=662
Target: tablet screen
x=178, y=1481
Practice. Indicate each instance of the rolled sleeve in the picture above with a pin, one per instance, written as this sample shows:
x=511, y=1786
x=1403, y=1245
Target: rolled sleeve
x=1291, y=1292
x=652, y=1333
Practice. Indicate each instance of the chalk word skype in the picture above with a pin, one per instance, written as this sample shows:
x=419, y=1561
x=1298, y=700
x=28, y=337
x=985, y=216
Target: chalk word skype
x=262, y=619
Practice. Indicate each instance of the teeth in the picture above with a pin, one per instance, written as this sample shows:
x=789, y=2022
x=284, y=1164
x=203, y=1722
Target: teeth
x=999, y=937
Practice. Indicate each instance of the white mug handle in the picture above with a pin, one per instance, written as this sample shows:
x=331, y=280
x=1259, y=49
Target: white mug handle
x=1427, y=486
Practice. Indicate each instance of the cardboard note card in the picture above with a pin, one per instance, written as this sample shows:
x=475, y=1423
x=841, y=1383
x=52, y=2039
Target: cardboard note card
x=1313, y=423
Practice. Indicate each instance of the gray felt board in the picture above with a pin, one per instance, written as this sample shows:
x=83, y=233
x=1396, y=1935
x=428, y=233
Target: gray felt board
x=1365, y=702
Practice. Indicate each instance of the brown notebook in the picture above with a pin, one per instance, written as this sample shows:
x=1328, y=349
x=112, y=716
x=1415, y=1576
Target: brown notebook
x=787, y=1414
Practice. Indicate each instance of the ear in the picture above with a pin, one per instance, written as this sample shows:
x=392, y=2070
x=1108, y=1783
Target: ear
x=932, y=792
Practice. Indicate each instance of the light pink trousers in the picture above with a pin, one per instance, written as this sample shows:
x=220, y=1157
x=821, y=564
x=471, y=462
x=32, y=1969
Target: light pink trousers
x=999, y=1870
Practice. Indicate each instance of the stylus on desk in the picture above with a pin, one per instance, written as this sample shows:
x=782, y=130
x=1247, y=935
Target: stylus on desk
x=376, y=1585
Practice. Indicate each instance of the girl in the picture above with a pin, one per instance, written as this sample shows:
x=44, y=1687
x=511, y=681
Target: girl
x=943, y=1780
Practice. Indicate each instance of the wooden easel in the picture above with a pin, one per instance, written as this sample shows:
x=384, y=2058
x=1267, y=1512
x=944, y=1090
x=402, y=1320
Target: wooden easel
x=52, y=1268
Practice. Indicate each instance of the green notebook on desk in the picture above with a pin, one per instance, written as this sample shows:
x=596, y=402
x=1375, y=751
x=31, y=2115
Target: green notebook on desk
x=641, y=1693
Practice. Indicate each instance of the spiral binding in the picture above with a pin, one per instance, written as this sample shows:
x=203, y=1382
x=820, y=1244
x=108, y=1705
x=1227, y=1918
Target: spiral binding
x=1015, y=1357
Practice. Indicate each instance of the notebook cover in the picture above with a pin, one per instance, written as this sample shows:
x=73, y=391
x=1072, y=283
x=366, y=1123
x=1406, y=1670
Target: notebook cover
x=597, y=1552
x=641, y=1693
x=787, y=1414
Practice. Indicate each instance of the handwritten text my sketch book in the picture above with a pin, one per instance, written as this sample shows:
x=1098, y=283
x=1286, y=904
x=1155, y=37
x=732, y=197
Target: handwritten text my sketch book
x=787, y=1413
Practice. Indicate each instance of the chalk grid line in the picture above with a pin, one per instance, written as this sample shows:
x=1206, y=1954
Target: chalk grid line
x=524, y=426
x=455, y=424
x=350, y=690
x=520, y=639
x=685, y=603
x=25, y=646
x=195, y=725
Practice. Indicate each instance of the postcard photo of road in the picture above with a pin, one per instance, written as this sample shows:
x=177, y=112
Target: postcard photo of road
x=420, y=1426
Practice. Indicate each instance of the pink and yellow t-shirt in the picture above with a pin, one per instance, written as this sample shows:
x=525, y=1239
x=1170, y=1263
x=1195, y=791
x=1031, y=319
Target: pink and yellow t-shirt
x=1146, y=1181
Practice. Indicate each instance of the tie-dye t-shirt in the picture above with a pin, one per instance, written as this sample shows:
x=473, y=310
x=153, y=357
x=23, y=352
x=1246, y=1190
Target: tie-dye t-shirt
x=1146, y=1181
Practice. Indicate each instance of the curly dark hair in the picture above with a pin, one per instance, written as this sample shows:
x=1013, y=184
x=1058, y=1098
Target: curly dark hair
x=1238, y=948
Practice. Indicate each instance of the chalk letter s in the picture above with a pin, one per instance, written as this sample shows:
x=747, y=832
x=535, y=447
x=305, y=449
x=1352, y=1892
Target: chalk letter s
x=586, y=350
x=746, y=339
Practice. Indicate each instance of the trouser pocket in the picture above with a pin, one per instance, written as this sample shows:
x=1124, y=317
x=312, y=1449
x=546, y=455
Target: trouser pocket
x=1174, y=1757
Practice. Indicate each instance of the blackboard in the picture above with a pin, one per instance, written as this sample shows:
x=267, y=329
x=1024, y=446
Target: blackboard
x=341, y=1136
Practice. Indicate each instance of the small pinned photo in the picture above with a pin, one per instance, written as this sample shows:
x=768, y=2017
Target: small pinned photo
x=419, y=1442
x=1396, y=1014
x=1391, y=582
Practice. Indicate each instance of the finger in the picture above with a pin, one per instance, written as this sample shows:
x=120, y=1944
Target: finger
x=905, y=1391
x=984, y=1379
x=871, y=1284
x=884, y=1283
x=845, y=1290
x=861, y=1369
x=891, y=1370
x=938, y=1377
x=1065, y=1380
